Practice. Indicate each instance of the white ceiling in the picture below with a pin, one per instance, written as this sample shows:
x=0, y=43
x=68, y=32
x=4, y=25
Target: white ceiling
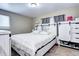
x=24, y=9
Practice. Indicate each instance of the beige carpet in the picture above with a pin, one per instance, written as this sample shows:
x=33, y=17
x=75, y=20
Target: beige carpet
x=62, y=51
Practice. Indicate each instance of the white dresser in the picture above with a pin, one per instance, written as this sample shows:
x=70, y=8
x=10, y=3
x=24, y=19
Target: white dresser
x=69, y=34
x=5, y=47
x=75, y=31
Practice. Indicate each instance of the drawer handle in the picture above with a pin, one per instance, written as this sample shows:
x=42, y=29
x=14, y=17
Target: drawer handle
x=76, y=28
x=77, y=23
x=77, y=38
x=76, y=33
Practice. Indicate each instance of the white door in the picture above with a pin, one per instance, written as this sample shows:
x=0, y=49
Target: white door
x=75, y=32
x=64, y=32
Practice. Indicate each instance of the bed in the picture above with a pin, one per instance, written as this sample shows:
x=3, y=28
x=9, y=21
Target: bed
x=33, y=44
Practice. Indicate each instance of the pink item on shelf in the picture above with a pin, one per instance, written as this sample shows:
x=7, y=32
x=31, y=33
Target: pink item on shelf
x=69, y=18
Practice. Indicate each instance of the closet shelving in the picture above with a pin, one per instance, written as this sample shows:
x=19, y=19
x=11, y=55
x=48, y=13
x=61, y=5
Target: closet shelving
x=69, y=44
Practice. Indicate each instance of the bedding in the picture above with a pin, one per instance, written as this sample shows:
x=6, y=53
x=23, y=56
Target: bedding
x=30, y=42
x=36, y=31
x=43, y=33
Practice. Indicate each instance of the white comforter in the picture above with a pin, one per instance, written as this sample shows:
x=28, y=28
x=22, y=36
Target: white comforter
x=30, y=42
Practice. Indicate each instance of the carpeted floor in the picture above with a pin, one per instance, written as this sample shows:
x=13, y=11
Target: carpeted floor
x=62, y=51
x=57, y=51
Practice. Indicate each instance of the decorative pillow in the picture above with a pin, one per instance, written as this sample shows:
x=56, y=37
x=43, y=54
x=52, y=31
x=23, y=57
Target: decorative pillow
x=36, y=32
x=43, y=33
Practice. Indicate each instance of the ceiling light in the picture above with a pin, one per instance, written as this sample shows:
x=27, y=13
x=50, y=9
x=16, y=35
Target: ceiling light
x=33, y=4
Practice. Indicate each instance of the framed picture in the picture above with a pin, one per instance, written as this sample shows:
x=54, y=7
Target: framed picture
x=46, y=20
x=59, y=18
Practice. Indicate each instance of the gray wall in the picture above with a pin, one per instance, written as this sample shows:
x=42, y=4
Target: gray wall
x=67, y=12
x=18, y=23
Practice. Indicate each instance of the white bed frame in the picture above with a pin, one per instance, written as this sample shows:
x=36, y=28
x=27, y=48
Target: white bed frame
x=41, y=52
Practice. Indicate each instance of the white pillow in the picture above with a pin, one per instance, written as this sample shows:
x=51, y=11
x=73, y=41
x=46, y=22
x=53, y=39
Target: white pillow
x=35, y=32
x=43, y=33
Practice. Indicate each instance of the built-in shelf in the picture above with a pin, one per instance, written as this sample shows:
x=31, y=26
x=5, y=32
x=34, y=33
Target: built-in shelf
x=69, y=44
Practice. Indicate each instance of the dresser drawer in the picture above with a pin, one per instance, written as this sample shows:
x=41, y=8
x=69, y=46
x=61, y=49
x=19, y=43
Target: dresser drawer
x=75, y=26
x=75, y=38
x=75, y=35
x=73, y=30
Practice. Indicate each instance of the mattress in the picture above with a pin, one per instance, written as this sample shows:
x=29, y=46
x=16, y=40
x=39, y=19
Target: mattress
x=30, y=42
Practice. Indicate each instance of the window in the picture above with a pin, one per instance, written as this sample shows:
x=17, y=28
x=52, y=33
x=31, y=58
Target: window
x=4, y=22
x=46, y=20
x=59, y=18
